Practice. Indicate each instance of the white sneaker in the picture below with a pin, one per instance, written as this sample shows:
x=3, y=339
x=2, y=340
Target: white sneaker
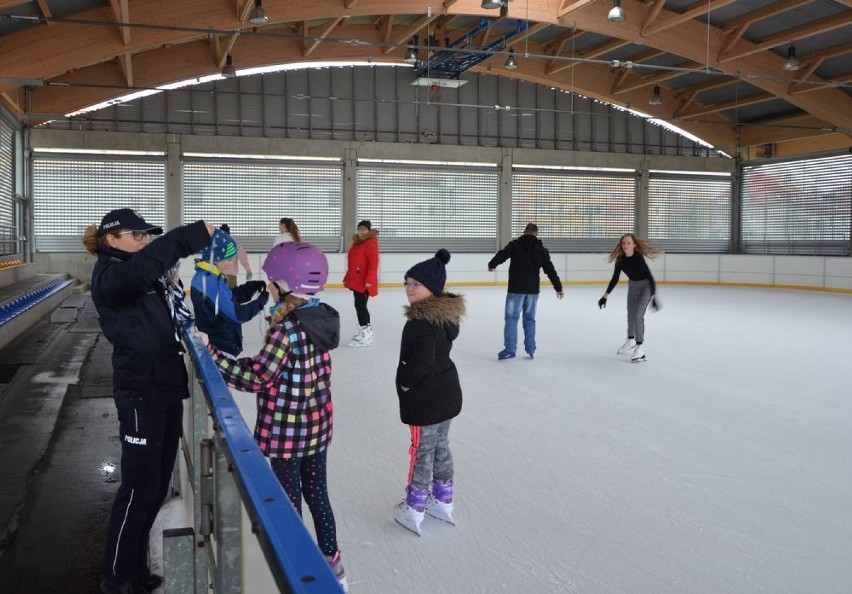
x=628, y=346
x=638, y=355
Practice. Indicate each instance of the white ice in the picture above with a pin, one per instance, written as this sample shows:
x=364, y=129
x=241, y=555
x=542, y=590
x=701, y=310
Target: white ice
x=721, y=465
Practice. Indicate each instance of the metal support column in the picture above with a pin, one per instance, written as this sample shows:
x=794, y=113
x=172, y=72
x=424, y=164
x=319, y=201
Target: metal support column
x=174, y=183
x=350, y=197
x=504, y=200
x=641, y=216
x=226, y=524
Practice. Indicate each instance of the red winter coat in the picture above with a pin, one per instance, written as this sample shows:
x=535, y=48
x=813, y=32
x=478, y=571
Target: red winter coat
x=363, y=264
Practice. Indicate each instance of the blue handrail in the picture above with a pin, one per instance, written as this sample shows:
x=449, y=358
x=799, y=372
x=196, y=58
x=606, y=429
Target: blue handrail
x=11, y=310
x=294, y=559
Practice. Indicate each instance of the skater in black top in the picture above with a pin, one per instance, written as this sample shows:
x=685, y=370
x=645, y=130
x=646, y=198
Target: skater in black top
x=629, y=257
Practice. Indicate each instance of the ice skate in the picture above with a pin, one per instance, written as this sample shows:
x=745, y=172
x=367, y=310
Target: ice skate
x=336, y=566
x=638, y=355
x=410, y=513
x=629, y=345
x=440, y=503
x=363, y=338
x=505, y=354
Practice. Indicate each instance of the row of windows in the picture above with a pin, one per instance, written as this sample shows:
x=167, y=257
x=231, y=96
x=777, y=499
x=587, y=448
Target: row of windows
x=8, y=239
x=416, y=206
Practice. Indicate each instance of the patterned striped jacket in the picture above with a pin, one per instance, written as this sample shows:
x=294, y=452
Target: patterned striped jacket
x=292, y=379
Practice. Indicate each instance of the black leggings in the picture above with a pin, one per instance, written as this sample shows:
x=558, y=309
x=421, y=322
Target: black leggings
x=361, y=307
x=307, y=477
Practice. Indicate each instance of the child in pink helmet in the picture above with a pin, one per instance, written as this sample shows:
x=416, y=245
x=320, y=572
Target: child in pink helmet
x=291, y=376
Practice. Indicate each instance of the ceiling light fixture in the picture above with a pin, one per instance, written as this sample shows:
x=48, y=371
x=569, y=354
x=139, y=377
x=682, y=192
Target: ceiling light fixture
x=616, y=14
x=792, y=64
x=511, y=62
x=411, y=52
x=656, y=98
x=489, y=4
x=258, y=15
x=228, y=71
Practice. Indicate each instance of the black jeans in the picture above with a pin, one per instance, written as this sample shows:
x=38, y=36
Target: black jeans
x=149, y=443
x=361, y=308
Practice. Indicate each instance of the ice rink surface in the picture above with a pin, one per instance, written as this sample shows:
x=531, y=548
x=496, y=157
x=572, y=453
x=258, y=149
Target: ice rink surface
x=721, y=465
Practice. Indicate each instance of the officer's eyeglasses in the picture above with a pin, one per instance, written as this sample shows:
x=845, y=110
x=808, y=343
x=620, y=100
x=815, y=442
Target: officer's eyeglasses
x=137, y=235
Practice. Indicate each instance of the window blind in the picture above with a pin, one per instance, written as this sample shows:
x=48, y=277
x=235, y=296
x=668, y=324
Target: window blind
x=798, y=207
x=251, y=196
x=425, y=208
x=689, y=213
x=8, y=230
x=575, y=211
x=73, y=191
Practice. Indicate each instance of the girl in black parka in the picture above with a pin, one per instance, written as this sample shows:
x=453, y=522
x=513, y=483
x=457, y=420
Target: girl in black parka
x=429, y=391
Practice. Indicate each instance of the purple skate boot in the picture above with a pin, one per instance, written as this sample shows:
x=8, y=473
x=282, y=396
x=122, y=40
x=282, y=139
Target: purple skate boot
x=337, y=569
x=441, y=501
x=410, y=512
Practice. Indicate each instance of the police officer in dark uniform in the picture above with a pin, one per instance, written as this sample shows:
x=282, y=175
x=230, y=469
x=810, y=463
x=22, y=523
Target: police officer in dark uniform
x=139, y=311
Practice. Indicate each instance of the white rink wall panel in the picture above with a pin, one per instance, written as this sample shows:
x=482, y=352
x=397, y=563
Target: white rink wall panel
x=689, y=268
x=838, y=273
x=746, y=269
x=800, y=271
x=808, y=272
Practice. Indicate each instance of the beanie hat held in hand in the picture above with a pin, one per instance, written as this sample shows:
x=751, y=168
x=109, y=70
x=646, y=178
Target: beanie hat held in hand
x=222, y=245
x=431, y=273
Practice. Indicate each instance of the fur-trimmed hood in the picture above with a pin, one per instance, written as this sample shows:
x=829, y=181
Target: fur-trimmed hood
x=371, y=234
x=447, y=308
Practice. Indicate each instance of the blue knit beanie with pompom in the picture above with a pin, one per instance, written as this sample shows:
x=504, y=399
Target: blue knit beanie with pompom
x=431, y=273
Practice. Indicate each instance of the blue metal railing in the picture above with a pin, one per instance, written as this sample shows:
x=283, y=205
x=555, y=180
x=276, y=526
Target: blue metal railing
x=11, y=310
x=296, y=563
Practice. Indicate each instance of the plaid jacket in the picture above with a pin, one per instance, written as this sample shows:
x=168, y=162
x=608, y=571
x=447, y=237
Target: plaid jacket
x=292, y=379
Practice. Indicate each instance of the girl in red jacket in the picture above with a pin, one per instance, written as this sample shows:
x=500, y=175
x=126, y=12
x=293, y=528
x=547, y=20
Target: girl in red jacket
x=362, y=278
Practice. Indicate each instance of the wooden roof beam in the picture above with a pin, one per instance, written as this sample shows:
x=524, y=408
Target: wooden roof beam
x=737, y=27
x=790, y=35
x=122, y=15
x=640, y=83
x=813, y=61
x=126, y=63
x=566, y=7
x=594, y=52
x=843, y=79
x=700, y=9
x=416, y=28
x=718, y=107
x=45, y=11
x=689, y=94
x=311, y=44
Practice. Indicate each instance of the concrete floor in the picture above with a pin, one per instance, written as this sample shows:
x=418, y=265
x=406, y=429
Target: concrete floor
x=58, y=452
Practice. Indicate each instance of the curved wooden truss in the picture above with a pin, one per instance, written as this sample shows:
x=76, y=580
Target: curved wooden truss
x=708, y=70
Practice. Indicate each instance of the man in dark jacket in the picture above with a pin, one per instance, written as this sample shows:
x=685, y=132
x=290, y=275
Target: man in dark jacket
x=139, y=310
x=528, y=256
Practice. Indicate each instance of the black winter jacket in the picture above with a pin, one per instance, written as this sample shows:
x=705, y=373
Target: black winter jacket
x=427, y=381
x=147, y=360
x=528, y=255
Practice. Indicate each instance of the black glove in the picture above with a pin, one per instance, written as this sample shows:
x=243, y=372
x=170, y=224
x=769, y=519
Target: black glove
x=257, y=285
x=263, y=297
x=602, y=302
x=655, y=304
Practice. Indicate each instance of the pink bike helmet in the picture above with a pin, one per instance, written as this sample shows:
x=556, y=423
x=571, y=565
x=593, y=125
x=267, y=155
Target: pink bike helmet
x=302, y=266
